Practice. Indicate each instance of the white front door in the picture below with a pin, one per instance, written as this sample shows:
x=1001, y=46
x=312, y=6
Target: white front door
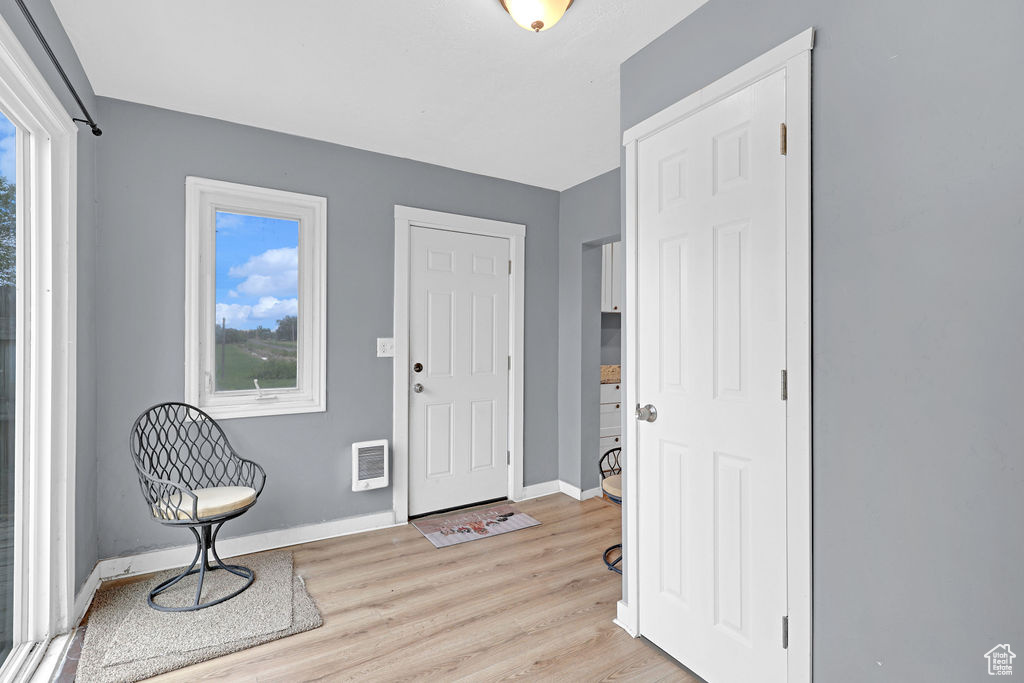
x=458, y=342
x=711, y=264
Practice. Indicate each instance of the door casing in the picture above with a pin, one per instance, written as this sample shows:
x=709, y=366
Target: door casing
x=405, y=219
x=793, y=57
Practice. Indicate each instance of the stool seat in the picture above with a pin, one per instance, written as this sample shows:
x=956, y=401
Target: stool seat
x=612, y=485
x=210, y=502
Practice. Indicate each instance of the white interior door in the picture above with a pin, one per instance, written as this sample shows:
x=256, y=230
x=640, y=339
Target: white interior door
x=711, y=264
x=458, y=341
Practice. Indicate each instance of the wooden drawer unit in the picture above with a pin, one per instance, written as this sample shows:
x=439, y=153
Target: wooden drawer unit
x=611, y=393
x=611, y=416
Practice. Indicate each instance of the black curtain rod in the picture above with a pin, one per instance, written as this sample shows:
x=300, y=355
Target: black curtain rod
x=53, y=58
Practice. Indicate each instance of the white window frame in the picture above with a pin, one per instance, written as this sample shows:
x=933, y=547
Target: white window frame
x=203, y=199
x=44, y=543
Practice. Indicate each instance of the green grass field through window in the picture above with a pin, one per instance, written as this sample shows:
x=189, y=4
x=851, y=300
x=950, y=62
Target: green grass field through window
x=270, y=361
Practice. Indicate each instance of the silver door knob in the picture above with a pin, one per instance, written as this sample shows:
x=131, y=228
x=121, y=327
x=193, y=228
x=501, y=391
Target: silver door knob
x=418, y=388
x=646, y=414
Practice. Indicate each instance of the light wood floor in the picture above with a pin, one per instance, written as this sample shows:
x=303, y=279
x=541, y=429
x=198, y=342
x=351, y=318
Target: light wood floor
x=535, y=604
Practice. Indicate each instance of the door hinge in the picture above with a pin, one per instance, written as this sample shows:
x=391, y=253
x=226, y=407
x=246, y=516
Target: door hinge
x=510, y=363
x=785, y=386
x=785, y=633
x=508, y=458
x=510, y=267
x=782, y=139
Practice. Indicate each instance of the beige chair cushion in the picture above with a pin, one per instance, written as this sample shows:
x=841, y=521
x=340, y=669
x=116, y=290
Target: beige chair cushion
x=211, y=502
x=613, y=485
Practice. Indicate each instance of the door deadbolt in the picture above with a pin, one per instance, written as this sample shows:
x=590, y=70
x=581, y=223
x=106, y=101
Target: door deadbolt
x=648, y=413
x=418, y=367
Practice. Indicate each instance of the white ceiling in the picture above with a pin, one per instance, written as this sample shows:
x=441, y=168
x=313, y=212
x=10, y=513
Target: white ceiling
x=450, y=82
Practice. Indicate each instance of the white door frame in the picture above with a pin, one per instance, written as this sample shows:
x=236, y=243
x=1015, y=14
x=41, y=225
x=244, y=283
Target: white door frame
x=793, y=56
x=405, y=219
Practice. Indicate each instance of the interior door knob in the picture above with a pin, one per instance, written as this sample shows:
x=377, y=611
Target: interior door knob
x=648, y=413
x=418, y=388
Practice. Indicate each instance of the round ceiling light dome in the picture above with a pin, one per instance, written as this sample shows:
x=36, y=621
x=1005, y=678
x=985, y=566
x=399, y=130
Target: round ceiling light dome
x=536, y=15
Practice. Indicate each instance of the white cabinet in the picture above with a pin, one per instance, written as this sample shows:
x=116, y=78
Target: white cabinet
x=611, y=418
x=612, y=267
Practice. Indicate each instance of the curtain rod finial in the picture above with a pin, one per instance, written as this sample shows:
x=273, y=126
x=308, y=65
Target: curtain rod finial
x=95, y=129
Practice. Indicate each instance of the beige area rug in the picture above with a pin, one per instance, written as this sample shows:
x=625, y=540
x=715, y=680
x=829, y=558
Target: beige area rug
x=127, y=640
x=471, y=525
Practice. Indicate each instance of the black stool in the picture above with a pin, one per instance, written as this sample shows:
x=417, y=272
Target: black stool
x=611, y=485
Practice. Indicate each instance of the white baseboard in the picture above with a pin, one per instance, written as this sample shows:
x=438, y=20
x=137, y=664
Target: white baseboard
x=537, y=490
x=624, y=619
x=178, y=556
x=557, y=486
x=573, y=491
x=85, y=594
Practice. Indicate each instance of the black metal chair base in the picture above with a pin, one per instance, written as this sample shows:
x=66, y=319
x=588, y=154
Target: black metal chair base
x=613, y=565
x=205, y=545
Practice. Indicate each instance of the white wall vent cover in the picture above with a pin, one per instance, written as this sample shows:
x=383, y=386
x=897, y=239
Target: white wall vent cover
x=369, y=465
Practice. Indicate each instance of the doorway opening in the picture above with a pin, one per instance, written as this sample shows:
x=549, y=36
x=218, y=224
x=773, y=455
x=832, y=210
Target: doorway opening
x=601, y=407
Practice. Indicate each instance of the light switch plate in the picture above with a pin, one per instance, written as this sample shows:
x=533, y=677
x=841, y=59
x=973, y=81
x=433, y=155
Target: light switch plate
x=385, y=347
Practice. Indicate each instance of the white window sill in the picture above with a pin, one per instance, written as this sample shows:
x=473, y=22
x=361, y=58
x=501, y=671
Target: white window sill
x=263, y=408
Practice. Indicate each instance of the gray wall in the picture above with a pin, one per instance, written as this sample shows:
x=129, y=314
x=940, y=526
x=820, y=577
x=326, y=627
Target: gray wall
x=588, y=216
x=611, y=339
x=85, y=484
x=918, y=238
x=146, y=154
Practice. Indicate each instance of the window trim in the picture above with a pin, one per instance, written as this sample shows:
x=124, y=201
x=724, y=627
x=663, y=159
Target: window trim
x=203, y=198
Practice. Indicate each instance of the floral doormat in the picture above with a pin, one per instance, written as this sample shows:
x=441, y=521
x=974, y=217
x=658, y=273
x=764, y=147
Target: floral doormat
x=470, y=525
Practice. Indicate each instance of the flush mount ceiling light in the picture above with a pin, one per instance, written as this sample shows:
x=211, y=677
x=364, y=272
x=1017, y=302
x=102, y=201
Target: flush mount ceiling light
x=536, y=15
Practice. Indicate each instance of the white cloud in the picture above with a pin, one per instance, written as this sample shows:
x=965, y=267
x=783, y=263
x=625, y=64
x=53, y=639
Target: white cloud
x=274, y=272
x=233, y=294
x=267, y=311
x=231, y=222
x=269, y=307
x=236, y=314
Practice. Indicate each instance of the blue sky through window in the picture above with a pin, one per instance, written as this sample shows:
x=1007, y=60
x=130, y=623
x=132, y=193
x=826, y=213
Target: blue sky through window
x=8, y=203
x=8, y=150
x=257, y=278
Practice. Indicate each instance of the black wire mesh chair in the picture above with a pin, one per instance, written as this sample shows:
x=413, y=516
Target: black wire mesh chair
x=191, y=477
x=611, y=485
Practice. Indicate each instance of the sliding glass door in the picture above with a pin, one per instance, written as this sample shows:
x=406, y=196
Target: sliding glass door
x=8, y=339
x=38, y=200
